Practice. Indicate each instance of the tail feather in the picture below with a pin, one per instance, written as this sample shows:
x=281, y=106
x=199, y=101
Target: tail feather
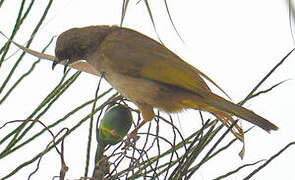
x=222, y=104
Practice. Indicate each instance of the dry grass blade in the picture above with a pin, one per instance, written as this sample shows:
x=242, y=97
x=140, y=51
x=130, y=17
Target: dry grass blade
x=194, y=169
x=237, y=170
x=152, y=19
x=266, y=90
x=291, y=17
x=90, y=129
x=26, y=74
x=124, y=10
x=266, y=77
x=170, y=18
x=268, y=161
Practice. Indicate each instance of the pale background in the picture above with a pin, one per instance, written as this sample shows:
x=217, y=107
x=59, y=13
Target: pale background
x=234, y=42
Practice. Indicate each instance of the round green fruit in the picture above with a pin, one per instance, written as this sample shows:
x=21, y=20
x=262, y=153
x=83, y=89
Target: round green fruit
x=115, y=125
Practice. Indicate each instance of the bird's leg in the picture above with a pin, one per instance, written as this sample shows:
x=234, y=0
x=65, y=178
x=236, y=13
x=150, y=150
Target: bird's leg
x=147, y=114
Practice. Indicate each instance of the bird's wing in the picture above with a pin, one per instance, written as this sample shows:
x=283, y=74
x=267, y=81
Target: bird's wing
x=134, y=54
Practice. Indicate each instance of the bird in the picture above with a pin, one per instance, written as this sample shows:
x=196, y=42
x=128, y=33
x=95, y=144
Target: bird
x=148, y=74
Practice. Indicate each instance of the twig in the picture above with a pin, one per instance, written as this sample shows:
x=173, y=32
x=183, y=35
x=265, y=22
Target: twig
x=212, y=149
x=90, y=129
x=64, y=168
x=265, y=77
x=268, y=161
x=237, y=170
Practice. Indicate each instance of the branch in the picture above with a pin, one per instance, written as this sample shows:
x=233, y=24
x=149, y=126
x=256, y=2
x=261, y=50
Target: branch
x=79, y=65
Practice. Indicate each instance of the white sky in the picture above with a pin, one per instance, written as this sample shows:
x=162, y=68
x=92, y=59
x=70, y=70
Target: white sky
x=234, y=42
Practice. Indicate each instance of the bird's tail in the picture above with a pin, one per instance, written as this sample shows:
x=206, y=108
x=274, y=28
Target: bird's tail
x=222, y=107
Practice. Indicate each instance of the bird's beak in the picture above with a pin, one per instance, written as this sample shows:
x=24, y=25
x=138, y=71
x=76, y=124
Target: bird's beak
x=55, y=62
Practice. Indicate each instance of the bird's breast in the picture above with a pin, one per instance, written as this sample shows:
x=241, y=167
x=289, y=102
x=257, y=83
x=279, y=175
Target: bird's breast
x=135, y=89
x=142, y=90
x=145, y=91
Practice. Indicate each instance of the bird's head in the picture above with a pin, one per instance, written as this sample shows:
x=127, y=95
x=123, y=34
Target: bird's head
x=78, y=43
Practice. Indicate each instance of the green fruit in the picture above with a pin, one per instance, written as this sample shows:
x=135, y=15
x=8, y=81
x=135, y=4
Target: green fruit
x=114, y=125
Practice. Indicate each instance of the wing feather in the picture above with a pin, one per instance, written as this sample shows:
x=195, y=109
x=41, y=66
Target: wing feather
x=134, y=54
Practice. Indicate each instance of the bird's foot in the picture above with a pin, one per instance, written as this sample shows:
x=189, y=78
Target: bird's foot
x=131, y=139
